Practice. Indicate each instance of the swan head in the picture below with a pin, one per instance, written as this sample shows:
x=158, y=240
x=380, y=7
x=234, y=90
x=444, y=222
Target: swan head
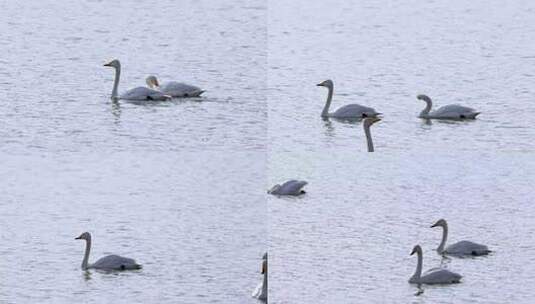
x=424, y=98
x=370, y=121
x=416, y=249
x=114, y=63
x=84, y=236
x=440, y=223
x=152, y=81
x=327, y=83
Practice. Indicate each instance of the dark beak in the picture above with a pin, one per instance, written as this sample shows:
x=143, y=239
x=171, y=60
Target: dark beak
x=77, y=238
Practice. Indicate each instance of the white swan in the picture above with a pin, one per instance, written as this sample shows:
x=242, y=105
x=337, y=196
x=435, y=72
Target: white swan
x=346, y=112
x=432, y=276
x=138, y=93
x=460, y=248
x=367, y=124
x=446, y=112
x=173, y=88
x=261, y=291
x=291, y=187
x=110, y=262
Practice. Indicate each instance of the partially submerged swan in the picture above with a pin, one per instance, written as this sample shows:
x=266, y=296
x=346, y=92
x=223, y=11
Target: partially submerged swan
x=460, y=248
x=367, y=124
x=432, y=276
x=291, y=187
x=173, y=88
x=110, y=262
x=346, y=112
x=446, y=112
x=138, y=93
x=261, y=291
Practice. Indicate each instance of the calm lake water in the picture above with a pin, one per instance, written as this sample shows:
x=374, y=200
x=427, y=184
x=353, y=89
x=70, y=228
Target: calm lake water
x=349, y=238
x=179, y=186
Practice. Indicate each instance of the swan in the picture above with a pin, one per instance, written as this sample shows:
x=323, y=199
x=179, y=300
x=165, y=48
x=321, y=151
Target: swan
x=173, y=88
x=347, y=111
x=432, y=276
x=291, y=187
x=109, y=262
x=446, y=112
x=138, y=93
x=367, y=124
x=261, y=291
x=460, y=248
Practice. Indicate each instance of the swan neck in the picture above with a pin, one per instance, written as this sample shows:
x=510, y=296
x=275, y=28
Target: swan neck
x=428, y=105
x=265, y=284
x=114, y=92
x=86, y=254
x=440, y=248
x=325, y=111
x=368, y=138
x=418, y=272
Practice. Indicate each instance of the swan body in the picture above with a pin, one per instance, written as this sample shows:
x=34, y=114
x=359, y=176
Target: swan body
x=110, y=262
x=350, y=111
x=291, y=187
x=261, y=291
x=138, y=93
x=446, y=112
x=462, y=248
x=368, y=122
x=173, y=88
x=432, y=276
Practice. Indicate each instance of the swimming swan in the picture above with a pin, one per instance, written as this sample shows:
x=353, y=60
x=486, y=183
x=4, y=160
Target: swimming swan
x=261, y=291
x=446, y=112
x=139, y=93
x=291, y=187
x=367, y=124
x=173, y=88
x=110, y=262
x=432, y=276
x=347, y=111
x=460, y=248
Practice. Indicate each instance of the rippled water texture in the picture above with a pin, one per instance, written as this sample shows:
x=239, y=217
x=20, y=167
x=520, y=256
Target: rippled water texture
x=382, y=54
x=349, y=238
x=179, y=186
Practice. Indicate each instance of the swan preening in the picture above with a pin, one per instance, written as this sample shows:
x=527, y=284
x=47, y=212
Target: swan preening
x=432, y=276
x=446, y=112
x=138, y=93
x=368, y=122
x=291, y=187
x=460, y=248
x=110, y=262
x=261, y=291
x=350, y=111
x=173, y=88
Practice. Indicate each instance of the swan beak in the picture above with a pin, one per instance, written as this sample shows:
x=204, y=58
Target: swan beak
x=413, y=252
x=78, y=238
x=319, y=85
x=433, y=226
x=107, y=64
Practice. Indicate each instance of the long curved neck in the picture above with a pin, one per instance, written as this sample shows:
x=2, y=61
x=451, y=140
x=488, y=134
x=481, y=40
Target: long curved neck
x=428, y=105
x=325, y=112
x=440, y=248
x=85, y=263
x=114, y=92
x=265, y=284
x=418, y=272
x=368, y=138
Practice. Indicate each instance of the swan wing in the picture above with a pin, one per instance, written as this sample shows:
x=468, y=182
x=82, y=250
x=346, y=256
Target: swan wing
x=467, y=248
x=454, y=111
x=115, y=262
x=354, y=111
x=440, y=276
x=291, y=187
x=179, y=89
x=143, y=93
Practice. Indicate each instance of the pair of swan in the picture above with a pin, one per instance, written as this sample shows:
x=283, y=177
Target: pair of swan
x=440, y=275
x=107, y=263
x=154, y=92
x=261, y=291
x=355, y=111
